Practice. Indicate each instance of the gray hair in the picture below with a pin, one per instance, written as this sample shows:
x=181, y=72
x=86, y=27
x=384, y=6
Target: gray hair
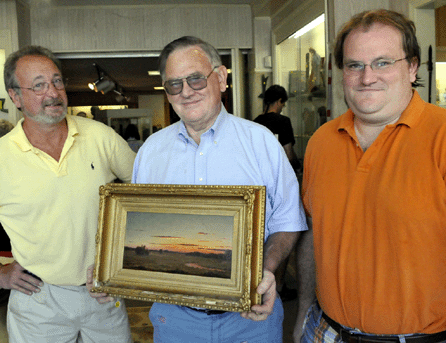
x=11, y=63
x=184, y=42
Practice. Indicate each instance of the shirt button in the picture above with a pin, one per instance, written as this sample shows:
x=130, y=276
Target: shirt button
x=201, y=154
x=201, y=179
x=215, y=142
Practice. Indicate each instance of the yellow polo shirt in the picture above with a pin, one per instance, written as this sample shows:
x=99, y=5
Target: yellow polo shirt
x=50, y=208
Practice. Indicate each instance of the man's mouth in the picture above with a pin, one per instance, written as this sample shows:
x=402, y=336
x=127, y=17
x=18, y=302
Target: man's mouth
x=53, y=103
x=191, y=102
x=369, y=89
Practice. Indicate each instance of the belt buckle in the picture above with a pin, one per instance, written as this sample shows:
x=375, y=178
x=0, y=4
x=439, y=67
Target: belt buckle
x=210, y=312
x=347, y=337
x=351, y=337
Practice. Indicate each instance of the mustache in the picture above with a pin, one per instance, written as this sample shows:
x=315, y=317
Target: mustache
x=53, y=102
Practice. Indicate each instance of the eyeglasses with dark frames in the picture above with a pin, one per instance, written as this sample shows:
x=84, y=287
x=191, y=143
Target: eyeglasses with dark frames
x=196, y=82
x=41, y=88
x=379, y=65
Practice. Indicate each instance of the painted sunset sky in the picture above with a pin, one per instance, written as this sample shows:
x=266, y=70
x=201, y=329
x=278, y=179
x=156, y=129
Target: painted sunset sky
x=179, y=232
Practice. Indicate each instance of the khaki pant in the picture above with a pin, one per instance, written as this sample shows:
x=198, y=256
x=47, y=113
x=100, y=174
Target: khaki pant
x=65, y=314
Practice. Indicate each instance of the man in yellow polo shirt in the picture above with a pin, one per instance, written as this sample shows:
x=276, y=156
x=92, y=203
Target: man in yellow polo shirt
x=374, y=186
x=52, y=167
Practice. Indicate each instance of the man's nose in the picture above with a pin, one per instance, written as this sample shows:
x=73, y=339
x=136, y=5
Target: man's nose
x=187, y=90
x=52, y=90
x=368, y=75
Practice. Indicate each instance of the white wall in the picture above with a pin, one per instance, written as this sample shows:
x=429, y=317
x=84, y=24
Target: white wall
x=155, y=103
x=9, y=42
x=425, y=23
x=137, y=28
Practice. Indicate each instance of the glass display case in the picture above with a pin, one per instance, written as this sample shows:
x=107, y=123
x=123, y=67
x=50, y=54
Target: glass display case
x=302, y=71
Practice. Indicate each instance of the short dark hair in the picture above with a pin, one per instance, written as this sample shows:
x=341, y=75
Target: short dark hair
x=11, y=63
x=131, y=131
x=184, y=42
x=274, y=93
x=386, y=17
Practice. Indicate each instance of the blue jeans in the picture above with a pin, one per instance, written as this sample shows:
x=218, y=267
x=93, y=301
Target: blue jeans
x=317, y=330
x=174, y=324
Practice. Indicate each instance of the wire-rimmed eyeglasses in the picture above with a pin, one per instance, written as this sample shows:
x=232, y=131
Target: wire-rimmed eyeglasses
x=41, y=88
x=196, y=82
x=379, y=65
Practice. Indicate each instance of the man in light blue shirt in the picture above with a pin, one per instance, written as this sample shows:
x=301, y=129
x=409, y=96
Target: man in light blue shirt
x=209, y=146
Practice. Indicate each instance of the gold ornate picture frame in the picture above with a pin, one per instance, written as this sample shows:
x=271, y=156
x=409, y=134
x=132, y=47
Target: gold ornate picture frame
x=199, y=246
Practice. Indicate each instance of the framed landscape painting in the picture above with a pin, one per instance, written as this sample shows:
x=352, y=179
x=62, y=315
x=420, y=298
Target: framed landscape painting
x=189, y=245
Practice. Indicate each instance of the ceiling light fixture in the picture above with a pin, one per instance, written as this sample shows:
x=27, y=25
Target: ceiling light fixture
x=105, y=83
x=92, y=85
x=120, y=96
x=105, y=86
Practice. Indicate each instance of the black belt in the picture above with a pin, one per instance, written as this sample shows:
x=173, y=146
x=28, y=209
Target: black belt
x=348, y=337
x=206, y=310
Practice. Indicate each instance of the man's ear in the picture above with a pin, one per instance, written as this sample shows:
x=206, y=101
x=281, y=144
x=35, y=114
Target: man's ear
x=222, y=73
x=413, y=69
x=15, y=97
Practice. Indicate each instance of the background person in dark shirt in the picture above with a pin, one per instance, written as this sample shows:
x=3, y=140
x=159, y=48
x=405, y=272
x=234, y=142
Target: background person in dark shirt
x=273, y=102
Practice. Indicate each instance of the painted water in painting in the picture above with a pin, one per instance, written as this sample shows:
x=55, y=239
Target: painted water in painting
x=191, y=244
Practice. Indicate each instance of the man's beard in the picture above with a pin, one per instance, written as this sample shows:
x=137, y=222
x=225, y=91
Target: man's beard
x=44, y=118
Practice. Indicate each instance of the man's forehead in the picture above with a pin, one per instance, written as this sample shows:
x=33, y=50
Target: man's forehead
x=190, y=52
x=189, y=59
x=373, y=27
x=36, y=60
x=35, y=66
x=384, y=37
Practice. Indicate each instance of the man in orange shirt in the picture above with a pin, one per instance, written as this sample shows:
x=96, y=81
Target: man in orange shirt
x=374, y=186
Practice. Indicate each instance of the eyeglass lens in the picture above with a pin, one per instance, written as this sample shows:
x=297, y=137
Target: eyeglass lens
x=174, y=87
x=196, y=83
x=379, y=65
x=42, y=87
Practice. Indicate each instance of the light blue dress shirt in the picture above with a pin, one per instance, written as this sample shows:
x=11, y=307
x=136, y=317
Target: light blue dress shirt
x=233, y=151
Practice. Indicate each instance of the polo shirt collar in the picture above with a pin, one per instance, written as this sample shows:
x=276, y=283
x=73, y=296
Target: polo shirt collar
x=346, y=123
x=410, y=116
x=73, y=129
x=19, y=137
